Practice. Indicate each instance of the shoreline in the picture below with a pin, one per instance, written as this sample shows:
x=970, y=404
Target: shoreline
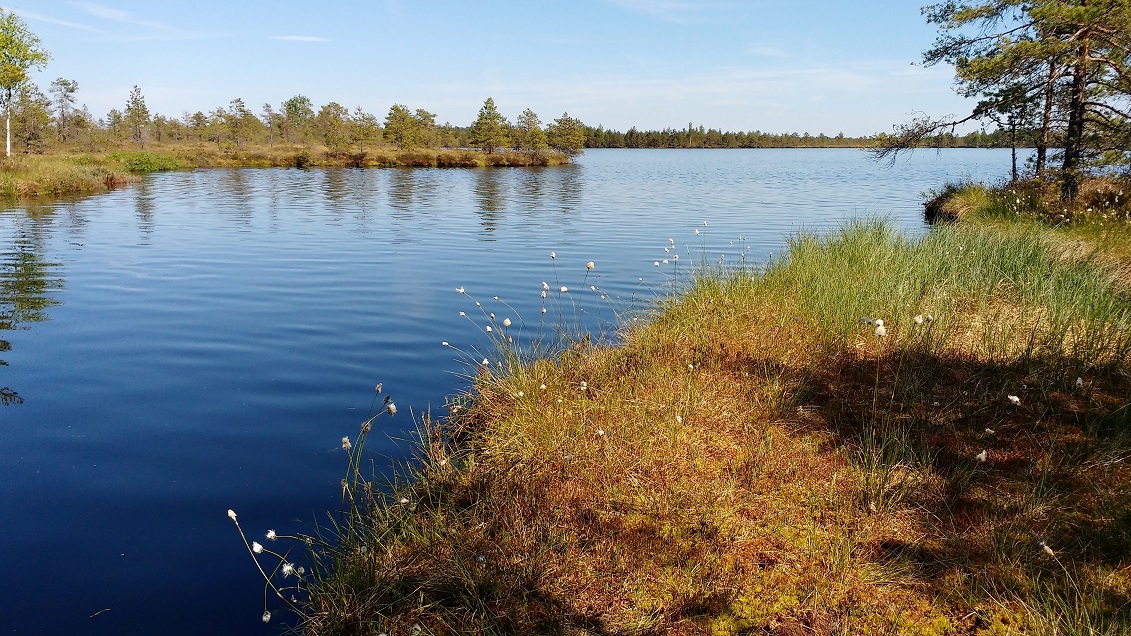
x=28, y=176
x=756, y=456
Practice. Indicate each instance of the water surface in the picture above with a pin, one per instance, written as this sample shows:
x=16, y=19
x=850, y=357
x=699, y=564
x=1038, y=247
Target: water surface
x=203, y=340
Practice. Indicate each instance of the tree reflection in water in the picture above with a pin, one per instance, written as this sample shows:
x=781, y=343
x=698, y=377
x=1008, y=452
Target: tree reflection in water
x=26, y=286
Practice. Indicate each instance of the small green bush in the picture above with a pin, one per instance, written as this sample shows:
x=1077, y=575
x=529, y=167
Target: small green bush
x=146, y=162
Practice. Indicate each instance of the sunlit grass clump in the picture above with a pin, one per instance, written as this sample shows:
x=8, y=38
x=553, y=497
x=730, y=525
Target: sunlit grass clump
x=25, y=176
x=873, y=435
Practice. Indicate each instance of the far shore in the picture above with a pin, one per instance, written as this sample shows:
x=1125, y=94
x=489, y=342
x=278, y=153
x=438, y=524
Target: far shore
x=24, y=176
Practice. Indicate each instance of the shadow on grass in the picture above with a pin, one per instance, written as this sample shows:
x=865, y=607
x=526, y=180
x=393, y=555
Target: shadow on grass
x=1016, y=501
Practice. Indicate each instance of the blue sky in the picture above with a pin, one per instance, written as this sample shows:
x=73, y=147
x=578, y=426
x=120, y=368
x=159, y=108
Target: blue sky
x=772, y=65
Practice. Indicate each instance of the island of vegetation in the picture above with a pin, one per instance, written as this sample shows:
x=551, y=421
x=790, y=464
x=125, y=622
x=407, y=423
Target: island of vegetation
x=872, y=434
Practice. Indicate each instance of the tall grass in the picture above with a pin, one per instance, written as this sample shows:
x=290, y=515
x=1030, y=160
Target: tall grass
x=756, y=457
x=25, y=176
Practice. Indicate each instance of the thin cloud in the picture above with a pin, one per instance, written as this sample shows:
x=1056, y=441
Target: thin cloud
x=675, y=11
x=299, y=38
x=118, y=15
x=39, y=17
x=769, y=51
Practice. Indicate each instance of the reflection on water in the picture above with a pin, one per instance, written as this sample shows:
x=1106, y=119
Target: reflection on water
x=143, y=207
x=221, y=330
x=27, y=281
x=402, y=188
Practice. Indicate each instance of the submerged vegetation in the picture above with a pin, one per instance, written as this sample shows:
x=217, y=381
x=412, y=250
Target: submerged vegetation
x=872, y=434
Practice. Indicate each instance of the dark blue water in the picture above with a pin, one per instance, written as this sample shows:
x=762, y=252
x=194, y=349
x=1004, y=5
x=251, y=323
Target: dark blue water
x=203, y=340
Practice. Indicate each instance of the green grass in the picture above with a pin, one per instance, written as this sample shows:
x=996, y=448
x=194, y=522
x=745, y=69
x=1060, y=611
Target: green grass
x=26, y=176
x=751, y=458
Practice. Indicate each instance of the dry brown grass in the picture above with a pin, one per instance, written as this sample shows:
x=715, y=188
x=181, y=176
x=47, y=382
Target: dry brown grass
x=738, y=464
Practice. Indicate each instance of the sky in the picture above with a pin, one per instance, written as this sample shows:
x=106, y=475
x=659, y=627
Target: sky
x=817, y=66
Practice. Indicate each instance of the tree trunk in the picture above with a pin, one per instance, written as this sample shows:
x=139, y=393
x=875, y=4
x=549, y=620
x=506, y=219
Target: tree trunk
x=1013, y=147
x=1074, y=136
x=1046, y=122
x=8, y=123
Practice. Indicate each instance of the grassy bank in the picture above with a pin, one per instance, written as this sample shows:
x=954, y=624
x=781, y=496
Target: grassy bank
x=27, y=176
x=1095, y=225
x=23, y=176
x=753, y=458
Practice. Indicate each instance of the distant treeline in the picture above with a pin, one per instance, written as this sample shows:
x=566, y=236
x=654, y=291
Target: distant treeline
x=41, y=122
x=700, y=137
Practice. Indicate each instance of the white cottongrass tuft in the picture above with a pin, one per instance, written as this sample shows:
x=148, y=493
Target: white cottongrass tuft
x=1014, y=400
x=257, y=547
x=918, y=319
x=521, y=394
x=657, y=263
x=981, y=456
x=444, y=344
x=391, y=408
x=1079, y=383
x=590, y=265
x=288, y=569
x=584, y=385
x=488, y=328
x=880, y=330
x=553, y=255
x=543, y=387
x=543, y=310
x=404, y=500
x=564, y=289
x=600, y=432
x=271, y=535
x=1046, y=549
x=463, y=313
x=231, y=514
x=990, y=431
x=460, y=290
x=678, y=420
x=543, y=294
x=696, y=231
x=545, y=286
x=346, y=444
x=266, y=616
x=506, y=322
x=485, y=363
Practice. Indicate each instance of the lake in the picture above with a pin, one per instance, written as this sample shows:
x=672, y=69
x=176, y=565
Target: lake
x=203, y=340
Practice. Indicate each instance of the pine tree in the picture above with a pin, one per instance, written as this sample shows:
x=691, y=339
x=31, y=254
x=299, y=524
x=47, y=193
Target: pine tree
x=566, y=135
x=528, y=133
x=136, y=115
x=489, y=131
